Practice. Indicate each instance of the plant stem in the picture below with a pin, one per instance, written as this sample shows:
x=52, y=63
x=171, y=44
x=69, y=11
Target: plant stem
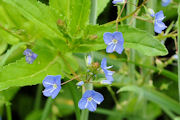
x=47, y=108
x=130, y=9
x=92, y=19
x=8, y=111
x=89, y=86
x=38, y=97
x=179, y=50
x=131, y=14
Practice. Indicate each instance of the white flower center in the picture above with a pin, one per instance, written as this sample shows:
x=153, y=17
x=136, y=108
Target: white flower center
x=114, y=41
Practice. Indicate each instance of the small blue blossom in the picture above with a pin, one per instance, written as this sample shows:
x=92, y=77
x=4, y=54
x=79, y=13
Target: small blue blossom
x=80, y=83
x=107, y=72
x=159, y=26
x=114, y=41
x=88, y=60
x=30, y=56
x=108, y=82
x=165, y=2
x=118, y=1
x=52, y=85
x=90, y=99
x=175, y=57
x=151, y=12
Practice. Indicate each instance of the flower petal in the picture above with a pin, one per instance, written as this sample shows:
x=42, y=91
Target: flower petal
x=87, y=94
x=159, y=16
x=97, y=97
x=119, y=48
x=55, y=92
x=47, y=92
x=104, y=63
x=108, y=82
x=58, y=80
x=49, y=81
x=165, y=2
x=110, y=48
x=92, y=106
x=159, y=26
x=108, y=37
x=118, y=36
x=83, y=103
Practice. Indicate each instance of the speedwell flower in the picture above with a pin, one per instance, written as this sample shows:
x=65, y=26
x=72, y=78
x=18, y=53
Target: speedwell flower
x=107, y=72
x=114, y=41
x=80, y=83
x=90, y=99
x=30, y=56
x=165, y=2
x=88, y=60
x=52, y=85
x=118, y=1
x=159, y=26
x=151, y=12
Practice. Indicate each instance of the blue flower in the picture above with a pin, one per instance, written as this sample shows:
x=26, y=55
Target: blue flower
x=89, y=100
x=114, y=41
x=80, y=83
x=151, y=12
x=118, y=1
x=165, y=2
x=30, y=56
x=159, y=26
x=88, y=60
x=52, y=85
x=107, y=72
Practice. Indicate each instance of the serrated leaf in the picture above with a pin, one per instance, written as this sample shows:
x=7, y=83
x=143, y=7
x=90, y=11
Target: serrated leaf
x=154, y=96
x=133, y=37
x=23, y=74
x=44, y=17
x=76, y=12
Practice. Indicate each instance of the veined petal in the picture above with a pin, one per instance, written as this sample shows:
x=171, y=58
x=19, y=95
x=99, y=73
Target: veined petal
x=48, y=81
x=159, y=26
x=118, y=36
x=104, y=63
x=119, y=48
x=83, y=103
x=108, y=37
x=55, y=92
x=97, y=97
x=47, y=91
x=110, y=48
x=92, y=106
x=159, y=16
x=87, y=94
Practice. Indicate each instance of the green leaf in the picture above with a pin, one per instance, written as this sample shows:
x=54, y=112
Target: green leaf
x=3, y=46
x=155, y=96
x=23, y=74
x=76, y=12
x=101, y=4
x=44, y=17
x=133, y=37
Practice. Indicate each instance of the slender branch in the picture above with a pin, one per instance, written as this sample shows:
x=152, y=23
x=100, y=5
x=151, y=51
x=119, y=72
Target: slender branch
x=8, y=111
x=69, y=80
x=123, y=18
x=119, y=15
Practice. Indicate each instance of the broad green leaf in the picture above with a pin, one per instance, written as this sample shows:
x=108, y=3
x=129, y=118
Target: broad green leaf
x=101, y=4
x=133, y=37
x=23, y=74
x=44, y=17
x=154, y=96
x=76, y=12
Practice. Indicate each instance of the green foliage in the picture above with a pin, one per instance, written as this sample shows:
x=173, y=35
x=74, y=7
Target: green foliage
x=134, y=38
x=155, y=96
